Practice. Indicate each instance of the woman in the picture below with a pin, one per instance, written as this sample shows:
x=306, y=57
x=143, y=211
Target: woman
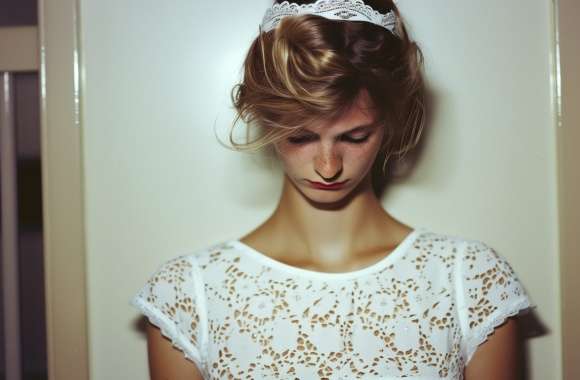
x=332, y=286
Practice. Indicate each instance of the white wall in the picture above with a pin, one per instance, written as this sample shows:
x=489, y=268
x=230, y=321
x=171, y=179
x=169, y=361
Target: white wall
x=157, y=75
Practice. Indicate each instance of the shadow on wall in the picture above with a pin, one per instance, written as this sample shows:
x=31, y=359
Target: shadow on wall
x=530, y=327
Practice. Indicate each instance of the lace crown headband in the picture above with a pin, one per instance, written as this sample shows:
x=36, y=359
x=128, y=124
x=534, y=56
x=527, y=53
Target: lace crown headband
x=346, y=10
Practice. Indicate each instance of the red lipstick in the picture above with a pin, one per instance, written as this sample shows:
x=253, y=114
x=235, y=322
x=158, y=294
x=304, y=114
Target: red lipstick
x=322, y=186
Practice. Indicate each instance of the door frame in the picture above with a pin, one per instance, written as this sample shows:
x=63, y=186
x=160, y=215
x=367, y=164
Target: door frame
x=63, y=190
x=567, y=98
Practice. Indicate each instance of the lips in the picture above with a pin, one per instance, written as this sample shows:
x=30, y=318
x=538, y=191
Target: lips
x=323, y=186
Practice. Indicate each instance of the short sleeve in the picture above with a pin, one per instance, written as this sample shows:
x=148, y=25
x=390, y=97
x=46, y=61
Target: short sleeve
x=172, y=300
x=488, y=292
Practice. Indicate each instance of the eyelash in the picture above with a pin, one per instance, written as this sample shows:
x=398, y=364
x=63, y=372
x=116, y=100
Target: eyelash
x=305, y=139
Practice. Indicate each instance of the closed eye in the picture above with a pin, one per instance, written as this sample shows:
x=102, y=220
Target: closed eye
x=298, y=140
x=301, y=139
x=358, y=140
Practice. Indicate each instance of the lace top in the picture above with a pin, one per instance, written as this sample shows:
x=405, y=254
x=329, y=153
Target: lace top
x=419, y=313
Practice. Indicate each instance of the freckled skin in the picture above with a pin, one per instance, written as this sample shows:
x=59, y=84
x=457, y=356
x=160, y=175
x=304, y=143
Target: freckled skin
x=329, y=159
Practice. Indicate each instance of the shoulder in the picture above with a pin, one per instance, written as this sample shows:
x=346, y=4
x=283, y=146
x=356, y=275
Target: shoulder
x=185, y=268
x=218, y=256
x=209, y=264
x=439, y=245
x=471, y=264
x=480, y=262
x=468, y=250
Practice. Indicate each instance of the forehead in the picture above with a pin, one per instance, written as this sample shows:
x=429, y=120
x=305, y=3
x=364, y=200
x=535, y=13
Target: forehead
x=361, y=113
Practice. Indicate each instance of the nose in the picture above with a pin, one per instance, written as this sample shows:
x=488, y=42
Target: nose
x=328, y=164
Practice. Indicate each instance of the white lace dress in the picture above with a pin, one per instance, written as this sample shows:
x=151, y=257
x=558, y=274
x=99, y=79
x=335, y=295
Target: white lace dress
x=418, y=313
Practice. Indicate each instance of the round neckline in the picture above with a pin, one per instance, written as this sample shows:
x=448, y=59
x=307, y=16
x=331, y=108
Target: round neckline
x=400, y=249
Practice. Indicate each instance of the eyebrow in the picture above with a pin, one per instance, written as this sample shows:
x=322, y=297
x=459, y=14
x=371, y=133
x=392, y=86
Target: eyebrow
x=355, y=129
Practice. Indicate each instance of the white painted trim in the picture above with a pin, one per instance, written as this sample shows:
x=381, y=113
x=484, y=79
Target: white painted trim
x=9, y=228
x=62, y=191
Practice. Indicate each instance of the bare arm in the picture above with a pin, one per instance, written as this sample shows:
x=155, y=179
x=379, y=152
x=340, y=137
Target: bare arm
x=167, y=362
x=498, y=357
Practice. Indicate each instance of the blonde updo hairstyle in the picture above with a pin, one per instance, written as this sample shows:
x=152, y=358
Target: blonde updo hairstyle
x=311, y=69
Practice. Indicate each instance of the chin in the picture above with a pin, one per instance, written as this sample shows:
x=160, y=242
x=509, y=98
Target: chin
x=329, y=198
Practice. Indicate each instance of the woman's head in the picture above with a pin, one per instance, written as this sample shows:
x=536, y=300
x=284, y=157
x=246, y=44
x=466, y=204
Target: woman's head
x=310, y=71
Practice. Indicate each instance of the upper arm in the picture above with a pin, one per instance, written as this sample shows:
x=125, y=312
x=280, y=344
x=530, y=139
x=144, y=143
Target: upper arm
x=167, y=362
x=171, y=302
x=489, y=296
x=498, y=357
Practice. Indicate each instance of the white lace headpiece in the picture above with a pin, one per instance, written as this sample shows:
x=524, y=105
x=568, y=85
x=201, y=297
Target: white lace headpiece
x=346, y=10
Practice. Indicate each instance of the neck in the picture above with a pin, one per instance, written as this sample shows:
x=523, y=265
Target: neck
x=329, y=233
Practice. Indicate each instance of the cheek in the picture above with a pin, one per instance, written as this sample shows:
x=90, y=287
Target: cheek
x=292, y=156
x=364, y=155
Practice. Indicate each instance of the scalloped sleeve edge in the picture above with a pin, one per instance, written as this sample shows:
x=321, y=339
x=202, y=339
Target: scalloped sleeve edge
x=482, y=333
x=169, y=330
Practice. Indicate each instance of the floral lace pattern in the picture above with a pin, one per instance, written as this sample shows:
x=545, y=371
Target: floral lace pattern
x=418, y=313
